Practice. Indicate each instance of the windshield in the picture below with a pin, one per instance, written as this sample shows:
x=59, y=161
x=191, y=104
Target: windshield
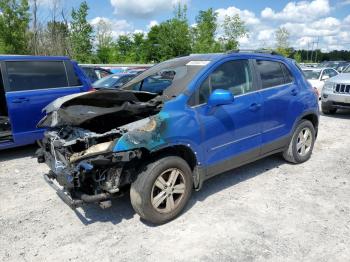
x=347, y=69
x=169, y=78
x=312, y=74
x=106, y=81
x=112, y=81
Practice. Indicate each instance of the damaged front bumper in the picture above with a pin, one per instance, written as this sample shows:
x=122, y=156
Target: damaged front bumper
x=91, y=178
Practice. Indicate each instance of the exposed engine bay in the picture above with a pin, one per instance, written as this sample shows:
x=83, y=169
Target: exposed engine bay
x=83, y=130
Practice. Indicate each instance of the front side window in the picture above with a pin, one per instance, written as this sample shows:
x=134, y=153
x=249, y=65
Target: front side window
x=234, y=76
x=271, y=73
x=32, y=75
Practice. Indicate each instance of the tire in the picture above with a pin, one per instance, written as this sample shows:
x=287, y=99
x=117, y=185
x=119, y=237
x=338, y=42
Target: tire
x=300, y=150
x=327, y=110
x=153, y=195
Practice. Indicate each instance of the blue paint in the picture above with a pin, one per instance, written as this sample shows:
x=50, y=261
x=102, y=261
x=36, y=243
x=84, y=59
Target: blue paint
x=219, y=132
x=25, y=107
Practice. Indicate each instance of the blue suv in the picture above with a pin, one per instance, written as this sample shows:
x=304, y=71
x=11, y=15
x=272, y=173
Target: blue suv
x=27, y=85
x=218, y=112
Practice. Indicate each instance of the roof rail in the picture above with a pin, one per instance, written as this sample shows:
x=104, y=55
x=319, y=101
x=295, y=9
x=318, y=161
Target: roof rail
x=262, y=51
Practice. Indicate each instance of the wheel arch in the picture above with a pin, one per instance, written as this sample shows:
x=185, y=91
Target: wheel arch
x=180, y=150
x=313, y=118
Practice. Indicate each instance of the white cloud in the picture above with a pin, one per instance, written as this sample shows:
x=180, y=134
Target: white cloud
x=247, y=16
x=266, y=35
x=151, y=24
x=145, y=8
x=118, y=27
x=299, y=11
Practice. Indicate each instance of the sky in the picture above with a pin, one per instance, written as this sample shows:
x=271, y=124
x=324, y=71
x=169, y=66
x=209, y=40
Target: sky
x=323, y=24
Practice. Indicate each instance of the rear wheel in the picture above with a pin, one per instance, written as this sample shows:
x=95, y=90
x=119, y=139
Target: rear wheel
x=162, y=189
x=302, y=143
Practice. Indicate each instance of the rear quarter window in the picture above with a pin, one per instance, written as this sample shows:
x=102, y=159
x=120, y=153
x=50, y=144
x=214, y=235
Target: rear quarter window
x=33, y=75
x=273, y=73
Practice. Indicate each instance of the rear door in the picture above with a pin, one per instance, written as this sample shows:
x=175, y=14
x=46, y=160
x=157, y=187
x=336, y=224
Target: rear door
x=279, y=93
x=30, y=86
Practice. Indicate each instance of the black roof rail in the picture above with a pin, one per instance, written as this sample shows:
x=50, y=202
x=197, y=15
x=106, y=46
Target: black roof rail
x=261, y=51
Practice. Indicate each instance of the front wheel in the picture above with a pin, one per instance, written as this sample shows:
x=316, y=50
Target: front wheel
x=302, y=143
x=162, y=189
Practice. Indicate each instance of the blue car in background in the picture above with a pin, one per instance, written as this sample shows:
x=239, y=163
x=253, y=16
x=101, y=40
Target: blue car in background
x=113, y=81
x=176, y=125
x=27, y=85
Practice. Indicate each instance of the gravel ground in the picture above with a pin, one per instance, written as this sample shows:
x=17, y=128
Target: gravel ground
x=268, y=210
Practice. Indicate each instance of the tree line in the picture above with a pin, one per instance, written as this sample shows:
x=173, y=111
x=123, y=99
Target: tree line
x=22, y=32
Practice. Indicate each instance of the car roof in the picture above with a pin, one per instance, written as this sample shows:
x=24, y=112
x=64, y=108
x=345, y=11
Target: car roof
x=32, y=57
x=218, y=56
x=316, y=68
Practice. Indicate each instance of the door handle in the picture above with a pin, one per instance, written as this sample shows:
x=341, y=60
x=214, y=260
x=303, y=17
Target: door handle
x=20, y=100
x=254, y=107
x=294, y=92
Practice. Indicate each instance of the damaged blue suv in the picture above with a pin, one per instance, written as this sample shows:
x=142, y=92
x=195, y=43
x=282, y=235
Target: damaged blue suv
x=216, y=112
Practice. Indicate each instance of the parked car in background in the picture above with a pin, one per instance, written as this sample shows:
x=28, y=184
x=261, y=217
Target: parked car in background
x=27, y=85
x=332, y=64
x=342, y=66
x=217, y=112
x=95, y=73
x=318, y=76
x=136, y=70
x=336, y=93
x=113, y=81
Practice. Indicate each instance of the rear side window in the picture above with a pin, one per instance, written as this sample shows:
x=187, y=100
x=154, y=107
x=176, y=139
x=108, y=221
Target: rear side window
x=271, y=73
x=32, y=75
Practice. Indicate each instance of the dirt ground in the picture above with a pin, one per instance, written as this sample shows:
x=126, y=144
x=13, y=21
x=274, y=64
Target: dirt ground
x=268, y=210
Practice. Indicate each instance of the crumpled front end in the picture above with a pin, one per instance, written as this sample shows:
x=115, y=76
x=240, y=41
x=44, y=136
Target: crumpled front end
x=90, y=163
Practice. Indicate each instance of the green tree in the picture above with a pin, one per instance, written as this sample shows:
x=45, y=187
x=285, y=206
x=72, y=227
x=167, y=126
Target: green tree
x=104, y=41
x=124, y=47
x=203, y=34
x=152, y=45
x=174, y=36
x=234, y=28
x=139, y=47
x=297, y=57
x=282, y=41
x=81, y=34
x=14, y=24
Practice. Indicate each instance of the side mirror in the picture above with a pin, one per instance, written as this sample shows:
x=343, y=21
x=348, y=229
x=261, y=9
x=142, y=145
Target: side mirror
x=220, y=97
x=325, y=77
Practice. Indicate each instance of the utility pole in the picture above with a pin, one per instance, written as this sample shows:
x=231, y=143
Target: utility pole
x=318, y=40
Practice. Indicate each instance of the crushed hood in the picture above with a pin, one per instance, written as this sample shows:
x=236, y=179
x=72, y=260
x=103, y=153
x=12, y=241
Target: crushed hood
x=79, y=108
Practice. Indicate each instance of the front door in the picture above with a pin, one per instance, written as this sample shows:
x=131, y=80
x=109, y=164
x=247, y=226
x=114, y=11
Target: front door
x=231, y=134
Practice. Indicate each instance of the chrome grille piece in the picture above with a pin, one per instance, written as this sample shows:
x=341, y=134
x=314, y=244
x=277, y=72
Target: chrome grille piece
x=342, y=89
